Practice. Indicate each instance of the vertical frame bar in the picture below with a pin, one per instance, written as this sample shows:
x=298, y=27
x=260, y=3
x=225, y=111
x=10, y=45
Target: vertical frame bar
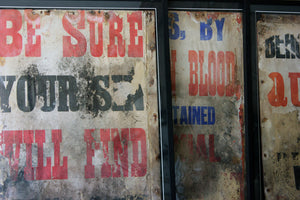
x=166, y=126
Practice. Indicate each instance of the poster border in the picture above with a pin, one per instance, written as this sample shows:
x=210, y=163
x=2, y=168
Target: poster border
x=242, y=7
x=162, y=66
x=254, y=105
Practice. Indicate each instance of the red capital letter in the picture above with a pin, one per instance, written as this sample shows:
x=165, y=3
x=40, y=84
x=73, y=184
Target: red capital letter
x=138, y=135
x=221, y=73
x=114, y=32
x=201, y=147
x=96, y=20
x=42, y=173
x=10, y=138
x=203, y=86
x=106, y=167
x=135, y=50
x=294, y=88
x=212, y=157
x=120, y=152
x=59, y=172
x=89, y=168
x=230, y=82
x=212, y=83
x=193, y=60
x=276, y=95
x=70, y=49
x=32, y=49
x=28, y=140
x=13, y=47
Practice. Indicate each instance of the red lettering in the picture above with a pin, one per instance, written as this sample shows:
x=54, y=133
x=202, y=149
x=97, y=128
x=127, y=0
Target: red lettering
x=10, y=138
x=201, y=147
x=276, y=95
x=173, y=72
x=32, y=49
x=28, y=140
x=135, y=50
x=138, y=135
x=185, y=141
x=193, y=86
x=203, y=86
x=212, y=157
x=115, y=32
x=189, y=139
x=69, y=49
x=221, y=70
x=10, y=39
x=89, y=168
x=106, y=167
x=58, y=172
x=294, y=88
x=221, y=73
x=1, y=143
x=42, y=173
x=230, y=64
x=120, y=152
x=96, y=20
x=212, y=75
x=204, y=152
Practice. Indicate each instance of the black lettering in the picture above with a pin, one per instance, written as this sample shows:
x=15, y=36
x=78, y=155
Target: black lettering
x=5, y=92
x=289, y=40
x=128, y=78
x=117, y=79
x=278, y=42
x=67, y=87
x=101, y=99
x=281, y=155
x=296, y=48
x=137, y=99
x=297, y=176
x=278, y=156
x=270, y=47
x=116, y=107
x=21, y=93
x=295, y=155
x=46, y=89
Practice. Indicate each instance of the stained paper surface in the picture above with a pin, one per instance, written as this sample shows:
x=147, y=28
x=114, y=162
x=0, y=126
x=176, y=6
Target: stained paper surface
x=206, y=50
x=78, y=96
x=279, y=75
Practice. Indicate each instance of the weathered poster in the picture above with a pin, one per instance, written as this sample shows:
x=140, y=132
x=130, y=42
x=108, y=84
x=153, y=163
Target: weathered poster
x=78, y=96
x=279, y=75
x=206, y=50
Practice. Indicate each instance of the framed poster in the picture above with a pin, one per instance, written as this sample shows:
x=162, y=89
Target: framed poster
x=277, y=33
x=206, y=53
x=80, y=95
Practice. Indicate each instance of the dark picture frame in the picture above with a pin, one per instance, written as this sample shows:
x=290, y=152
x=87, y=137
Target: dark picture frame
x=255, y=9
x=162, y=63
